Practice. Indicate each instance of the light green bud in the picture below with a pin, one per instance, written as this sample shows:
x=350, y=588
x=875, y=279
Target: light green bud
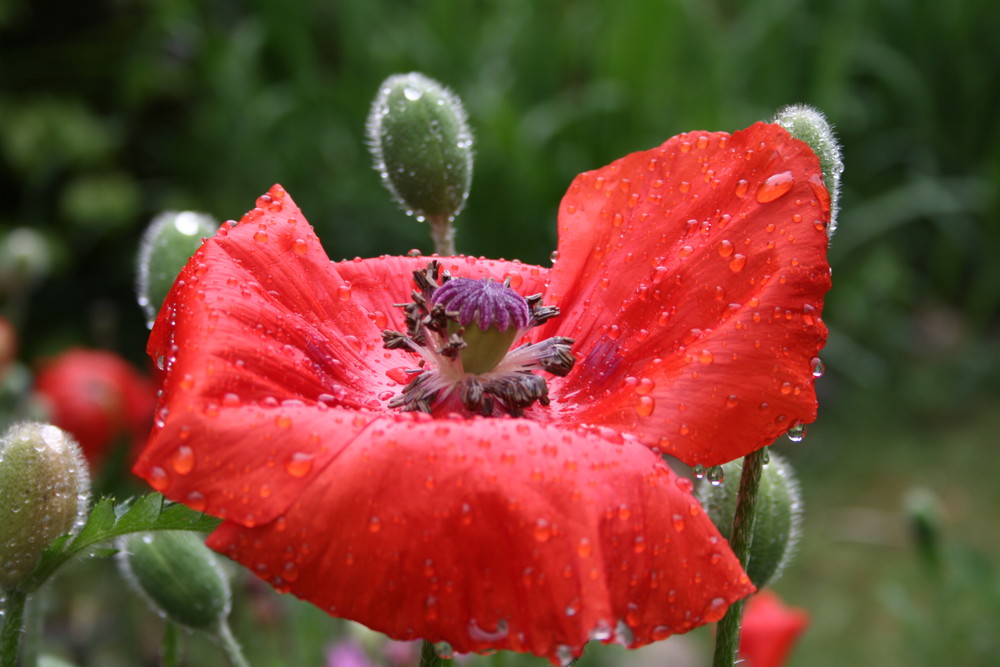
x=419, y=136
x=809, y=125
x=178, y=575
x=779, y=514
x=44, y=492
x=166, y=246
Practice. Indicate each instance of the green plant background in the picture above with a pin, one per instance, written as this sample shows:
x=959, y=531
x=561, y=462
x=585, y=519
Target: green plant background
x=113, y=110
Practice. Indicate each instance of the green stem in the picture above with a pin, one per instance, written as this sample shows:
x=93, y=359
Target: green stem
x=170, y=648
x=429, y=657
x=13, y=626
x=443, y=233
x=230, y=646
x=727, y=638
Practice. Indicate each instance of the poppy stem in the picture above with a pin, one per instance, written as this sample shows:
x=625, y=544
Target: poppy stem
x=727, y=638
x=429, y=657
x=13, y=604
x=443, y=234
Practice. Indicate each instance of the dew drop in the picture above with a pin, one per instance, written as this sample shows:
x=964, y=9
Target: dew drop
x=819, y=189
x=299, y=464
x=584, y=548
x=196, y=501
x=543, y=531
x=260, y=236
x=554, y=257
x=183, y=460
x=725, y=248
x=644, y=406
x=817, y=367
x=737, y=263
x=444, y=650
x=705, y=357
x=374, y=524
x=797, y=433
x=741, y=188
x=344, y=292
x=775, y=186
x=716, y=475
x=715, y=610
x=678, y=522
x=300, y=247
x=283, y=421
x=158, y=479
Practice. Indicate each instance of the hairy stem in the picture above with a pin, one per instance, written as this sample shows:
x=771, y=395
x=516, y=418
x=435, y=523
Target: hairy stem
x=727, y=638
x=13, y=626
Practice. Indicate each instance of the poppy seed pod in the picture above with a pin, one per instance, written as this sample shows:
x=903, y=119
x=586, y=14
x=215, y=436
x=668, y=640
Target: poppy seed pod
x=779, y=515
x=166, y=245
x=420, y=139
x=178, y=575
x=44, y=489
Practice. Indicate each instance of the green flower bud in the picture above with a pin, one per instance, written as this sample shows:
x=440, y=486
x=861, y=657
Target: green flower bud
x=779, y=514
x=178, y=575
x=44, y=491
x=25, y=259
x=420, y=139
x=809, y=125
x=166, y=246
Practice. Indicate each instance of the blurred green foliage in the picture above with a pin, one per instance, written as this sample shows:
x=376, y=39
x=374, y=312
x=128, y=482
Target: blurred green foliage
x=114, y=110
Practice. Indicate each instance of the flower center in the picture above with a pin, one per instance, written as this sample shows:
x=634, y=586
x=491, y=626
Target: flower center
x=463, y=330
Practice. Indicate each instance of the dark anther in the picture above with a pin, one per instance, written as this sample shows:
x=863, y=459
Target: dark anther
x=557, y=358
x=454, y=345
x=394, y=340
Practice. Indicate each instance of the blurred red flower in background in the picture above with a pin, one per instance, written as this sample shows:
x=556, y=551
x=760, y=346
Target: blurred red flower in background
x=770, y=629
x=98, y=397
x=691, y=278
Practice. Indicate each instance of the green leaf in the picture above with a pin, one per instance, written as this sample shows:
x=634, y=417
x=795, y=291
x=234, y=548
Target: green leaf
x=108, y=521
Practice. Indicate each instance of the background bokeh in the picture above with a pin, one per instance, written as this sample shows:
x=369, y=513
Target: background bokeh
x=114, y=110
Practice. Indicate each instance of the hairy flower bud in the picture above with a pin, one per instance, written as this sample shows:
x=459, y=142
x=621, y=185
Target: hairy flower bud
x=809, y=125
x=178, y=575
x=779, y=515
x=44, y=489
x=420, y=139
x=166, y=246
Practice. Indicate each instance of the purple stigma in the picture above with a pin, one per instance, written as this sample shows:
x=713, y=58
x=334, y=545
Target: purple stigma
x=486, y=302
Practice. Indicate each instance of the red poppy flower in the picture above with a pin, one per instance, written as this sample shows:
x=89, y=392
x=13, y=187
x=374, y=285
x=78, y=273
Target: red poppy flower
x=358, y=463
x=98, y=397
x=770, y=629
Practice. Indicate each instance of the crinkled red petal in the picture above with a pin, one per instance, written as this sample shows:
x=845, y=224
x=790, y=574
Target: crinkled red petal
x=692, y=276
x=496, y=534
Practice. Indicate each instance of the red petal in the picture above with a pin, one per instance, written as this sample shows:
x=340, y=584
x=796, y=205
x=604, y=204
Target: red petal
x=692, y=276
x=496, y=534
x=770, y=629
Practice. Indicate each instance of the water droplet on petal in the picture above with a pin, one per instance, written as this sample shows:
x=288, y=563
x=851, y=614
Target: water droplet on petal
x=158, y=479
x=817, y=367
x=716, y=475
x=299, y=464
x=183, y=460
x=775, y=186
x=797, y=433
x=644, y=406
x=374, y=524
x=543, y=531
x=715, y=610
x=737, y=263
x=196, y=501
x=299, y=247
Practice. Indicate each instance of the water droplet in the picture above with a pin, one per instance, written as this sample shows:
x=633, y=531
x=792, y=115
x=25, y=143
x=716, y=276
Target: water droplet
x=158, y=479
x=819, y=189
x=183, y=460
x=554, y=257
x=344, y=292
x=300, y=247
x=299, y=464
x=678, y=522
x=797, y=433
x=725, y=248
x=644, y=406
x=716, y=475
x=737, y=263
x=444, y=650
x=543, y=531
x=374, y=524
x=283, y=421
x=260, y=236
x=584, y=548
x=412, y=94
x=705, y=357
x=715, y=610
x=775, y=186
x=741, y=188
x=817, y=367
x=196, y=501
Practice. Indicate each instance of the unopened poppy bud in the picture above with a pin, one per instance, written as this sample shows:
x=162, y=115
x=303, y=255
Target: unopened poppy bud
x=809, y=125
x=44, y=490
x=166, y=246
x=178, y=575
x=420, y=139
x=925, y=514
x=25, y=259
x=779, y=514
